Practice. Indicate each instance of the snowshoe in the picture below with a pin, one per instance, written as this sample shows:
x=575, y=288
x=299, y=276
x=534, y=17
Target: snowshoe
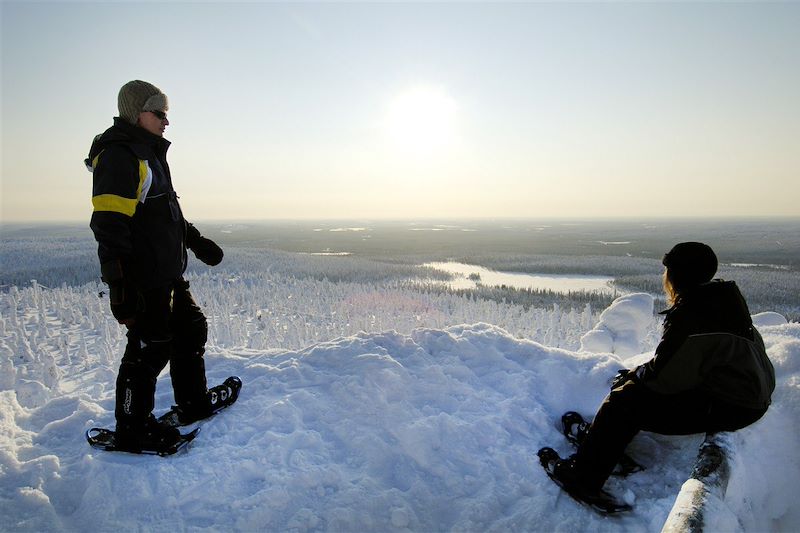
x=219, y=398
x=106, y=439
x=562, y=472
x=575, y=427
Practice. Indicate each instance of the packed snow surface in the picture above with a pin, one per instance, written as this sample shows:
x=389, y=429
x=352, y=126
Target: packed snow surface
x=434, y=430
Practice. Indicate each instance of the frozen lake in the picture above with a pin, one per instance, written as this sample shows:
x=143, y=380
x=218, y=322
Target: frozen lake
x=468, y=276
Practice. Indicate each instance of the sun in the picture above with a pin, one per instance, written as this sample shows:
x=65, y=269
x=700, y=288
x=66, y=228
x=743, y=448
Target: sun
x=422, y=120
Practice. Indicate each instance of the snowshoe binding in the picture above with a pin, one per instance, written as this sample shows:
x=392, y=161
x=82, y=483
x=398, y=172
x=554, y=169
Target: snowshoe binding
x=219, y=397
x=152, y=438
x=575, y=427
x=563, y=474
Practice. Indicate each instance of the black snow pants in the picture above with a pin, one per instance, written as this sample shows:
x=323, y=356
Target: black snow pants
x=169, y=328
x=633, y=407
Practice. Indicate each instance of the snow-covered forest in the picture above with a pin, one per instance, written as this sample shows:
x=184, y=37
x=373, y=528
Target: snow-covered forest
x=762, y=256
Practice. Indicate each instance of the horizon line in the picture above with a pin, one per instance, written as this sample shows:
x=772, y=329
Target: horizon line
x=609, y=218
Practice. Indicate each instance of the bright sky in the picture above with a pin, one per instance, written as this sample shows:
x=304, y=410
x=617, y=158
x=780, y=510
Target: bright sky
x=410, y=110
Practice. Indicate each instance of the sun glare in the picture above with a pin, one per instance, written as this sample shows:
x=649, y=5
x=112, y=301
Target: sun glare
x=422, y=120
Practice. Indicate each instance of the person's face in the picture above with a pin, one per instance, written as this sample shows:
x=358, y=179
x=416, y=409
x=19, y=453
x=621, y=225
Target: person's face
x=153, y=121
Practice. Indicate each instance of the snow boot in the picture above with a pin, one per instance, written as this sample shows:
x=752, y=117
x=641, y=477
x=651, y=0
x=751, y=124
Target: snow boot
x=575, y=428
x=217, y=399
x=150, y=436
x=565, y=474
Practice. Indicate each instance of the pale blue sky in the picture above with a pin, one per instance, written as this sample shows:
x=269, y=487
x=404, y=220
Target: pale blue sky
x=409, y=110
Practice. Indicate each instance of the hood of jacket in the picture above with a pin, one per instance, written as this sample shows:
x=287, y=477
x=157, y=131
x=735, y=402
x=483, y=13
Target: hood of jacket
x=718, y=304
x=125, y=133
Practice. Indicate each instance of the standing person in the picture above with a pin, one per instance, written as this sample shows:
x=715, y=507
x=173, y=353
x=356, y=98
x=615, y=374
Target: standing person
x=710, y=373
x=142, y=240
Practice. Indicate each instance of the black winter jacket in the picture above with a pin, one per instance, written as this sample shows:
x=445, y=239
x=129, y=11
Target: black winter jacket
x=137, y=220
x=710, y=344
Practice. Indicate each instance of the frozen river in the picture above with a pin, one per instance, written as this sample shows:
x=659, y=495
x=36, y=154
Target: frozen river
x=468, y=277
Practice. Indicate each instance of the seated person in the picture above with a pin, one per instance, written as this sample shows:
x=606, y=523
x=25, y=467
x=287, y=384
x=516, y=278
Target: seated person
x=710, y=373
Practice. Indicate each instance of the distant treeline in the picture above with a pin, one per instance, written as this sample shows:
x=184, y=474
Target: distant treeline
x=52, y=261
x=530, y=298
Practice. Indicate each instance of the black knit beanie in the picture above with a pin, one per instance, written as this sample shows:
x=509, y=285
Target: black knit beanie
x=690, y=264
x=137, y=96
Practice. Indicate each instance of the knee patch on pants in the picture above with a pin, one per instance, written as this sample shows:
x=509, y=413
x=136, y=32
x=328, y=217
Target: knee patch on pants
x=191, y=337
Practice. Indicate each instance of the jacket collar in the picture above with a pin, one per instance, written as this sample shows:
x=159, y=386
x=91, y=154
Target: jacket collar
x=140, y=135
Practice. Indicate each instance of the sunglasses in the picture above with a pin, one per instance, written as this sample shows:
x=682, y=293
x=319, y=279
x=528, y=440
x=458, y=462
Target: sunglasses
x=160, y=114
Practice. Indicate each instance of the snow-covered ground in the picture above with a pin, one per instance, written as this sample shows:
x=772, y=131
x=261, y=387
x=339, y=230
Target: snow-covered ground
x=413, y=429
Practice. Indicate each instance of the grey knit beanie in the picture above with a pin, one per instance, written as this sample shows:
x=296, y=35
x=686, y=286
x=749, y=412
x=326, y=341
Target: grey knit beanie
x=137, y=96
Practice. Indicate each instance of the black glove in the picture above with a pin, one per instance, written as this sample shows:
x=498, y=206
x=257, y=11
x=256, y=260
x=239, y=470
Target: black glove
x=122, y=295
x=204, y=249
x=623, y=375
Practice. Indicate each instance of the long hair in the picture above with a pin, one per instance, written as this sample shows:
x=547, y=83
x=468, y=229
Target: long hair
x=669, y=289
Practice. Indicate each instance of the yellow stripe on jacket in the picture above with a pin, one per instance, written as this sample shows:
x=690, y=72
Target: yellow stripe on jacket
x=120, y=204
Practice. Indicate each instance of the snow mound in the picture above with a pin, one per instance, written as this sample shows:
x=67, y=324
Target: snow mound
x=623, y=327
x=432, y=431
x=769, y=319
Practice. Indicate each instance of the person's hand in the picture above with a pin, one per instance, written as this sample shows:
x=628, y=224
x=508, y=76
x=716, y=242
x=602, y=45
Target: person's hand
x=122, y=295
x=123, y=303
x=623, y=375
x=204, y=249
